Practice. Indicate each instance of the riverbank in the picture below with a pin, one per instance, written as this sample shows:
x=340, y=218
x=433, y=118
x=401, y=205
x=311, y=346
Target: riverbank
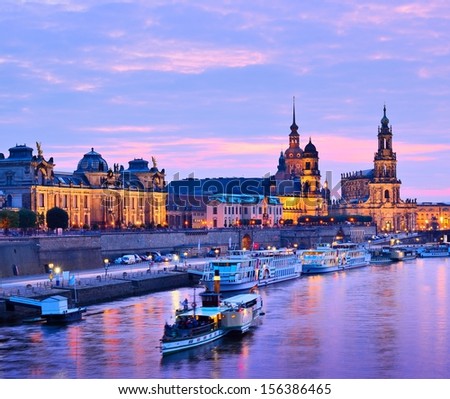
x=89, y=291
x=32, y=255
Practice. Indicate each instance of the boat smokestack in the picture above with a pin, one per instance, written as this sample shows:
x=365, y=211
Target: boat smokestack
x=217, y=281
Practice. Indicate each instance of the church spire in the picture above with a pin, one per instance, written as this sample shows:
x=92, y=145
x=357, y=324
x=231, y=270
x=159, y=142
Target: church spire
x=384, y=119
x=294, y=126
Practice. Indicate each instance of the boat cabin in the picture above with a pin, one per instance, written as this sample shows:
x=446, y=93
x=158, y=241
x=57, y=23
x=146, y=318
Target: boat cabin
x=56, y=304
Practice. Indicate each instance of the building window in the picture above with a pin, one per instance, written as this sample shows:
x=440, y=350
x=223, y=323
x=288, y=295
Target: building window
x=215, y=212
x=308, y=166
x=41, y=200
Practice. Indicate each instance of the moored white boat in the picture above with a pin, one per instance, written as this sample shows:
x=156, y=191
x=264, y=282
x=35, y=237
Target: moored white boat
x=403, y=253
x=434, y=251
x=215, y=318
x=242, y=270
x=67, y=316
x=380, y=256
x=54, y=309
x=335, y=257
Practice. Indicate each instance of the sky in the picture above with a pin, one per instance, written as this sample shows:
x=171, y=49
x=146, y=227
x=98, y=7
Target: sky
x=207, y=87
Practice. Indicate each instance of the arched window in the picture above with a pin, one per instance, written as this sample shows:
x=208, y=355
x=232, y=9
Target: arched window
x=386, y=195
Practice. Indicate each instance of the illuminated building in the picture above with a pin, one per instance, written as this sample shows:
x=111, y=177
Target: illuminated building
x=297, y=180
x=376, y=192
x=433, y=216
x=93, y=195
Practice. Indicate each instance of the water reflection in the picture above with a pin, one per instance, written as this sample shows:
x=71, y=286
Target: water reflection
x=377, y=322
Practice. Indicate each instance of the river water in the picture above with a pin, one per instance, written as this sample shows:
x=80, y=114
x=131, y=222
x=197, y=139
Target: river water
x=390, y=321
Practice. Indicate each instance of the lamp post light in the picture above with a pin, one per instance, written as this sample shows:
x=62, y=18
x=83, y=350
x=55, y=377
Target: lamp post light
x=106, y=264
x=50, y=275
x=58, y=274
x=216, y=251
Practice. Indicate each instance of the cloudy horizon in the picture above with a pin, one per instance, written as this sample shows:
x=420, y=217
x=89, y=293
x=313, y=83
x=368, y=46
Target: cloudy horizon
x=206, y=88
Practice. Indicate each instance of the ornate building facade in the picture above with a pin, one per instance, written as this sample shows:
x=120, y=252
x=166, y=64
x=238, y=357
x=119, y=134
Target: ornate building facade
x=433, y=216
x=376, y=192
x=297, y=180
x=94, y=194
x=234, y=210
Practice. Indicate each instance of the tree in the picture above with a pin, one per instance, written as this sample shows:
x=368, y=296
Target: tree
x=27, y=218
x=57, y=218
x=8, y=219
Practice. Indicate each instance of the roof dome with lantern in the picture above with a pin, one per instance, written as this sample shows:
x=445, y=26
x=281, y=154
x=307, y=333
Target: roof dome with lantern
x=310, y=149
x=92, y=162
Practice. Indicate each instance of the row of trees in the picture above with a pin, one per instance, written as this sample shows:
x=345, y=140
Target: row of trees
x=26, y=219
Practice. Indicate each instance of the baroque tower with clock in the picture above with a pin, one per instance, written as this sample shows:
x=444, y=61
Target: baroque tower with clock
x=376, y=192
x=297, y=180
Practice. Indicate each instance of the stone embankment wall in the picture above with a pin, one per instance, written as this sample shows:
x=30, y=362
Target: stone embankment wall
x=30, y=255
x=122, y=288
x=94, y=291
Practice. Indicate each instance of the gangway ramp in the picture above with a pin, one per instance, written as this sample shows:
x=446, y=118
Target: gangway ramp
x=30, y=302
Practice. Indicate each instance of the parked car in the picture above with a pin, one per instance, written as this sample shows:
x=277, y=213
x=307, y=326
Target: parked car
x=167, y=257
x=130, y=259
x=213, y=252
x=155, y=256
x=118, y=261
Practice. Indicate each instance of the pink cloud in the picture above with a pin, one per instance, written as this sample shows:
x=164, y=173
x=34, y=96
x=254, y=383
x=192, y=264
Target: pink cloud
x=130, y=128
x=426, y=194
x=418, y=149
x=85, y=87
x=190, y=61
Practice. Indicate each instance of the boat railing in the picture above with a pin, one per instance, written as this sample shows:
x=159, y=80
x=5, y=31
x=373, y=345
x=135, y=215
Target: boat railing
x=176, y=331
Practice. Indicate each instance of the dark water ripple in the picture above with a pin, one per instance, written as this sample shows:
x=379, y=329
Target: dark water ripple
x=378, y=322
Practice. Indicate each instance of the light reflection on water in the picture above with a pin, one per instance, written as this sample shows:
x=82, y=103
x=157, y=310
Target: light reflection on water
x=376, y=322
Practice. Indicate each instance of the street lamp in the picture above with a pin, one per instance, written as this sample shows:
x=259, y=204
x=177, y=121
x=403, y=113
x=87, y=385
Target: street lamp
x=50, y=275
x=106, y=264
x=57, y=273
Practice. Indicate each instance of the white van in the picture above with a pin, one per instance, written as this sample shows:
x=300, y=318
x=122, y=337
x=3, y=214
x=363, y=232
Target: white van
x=129, y=259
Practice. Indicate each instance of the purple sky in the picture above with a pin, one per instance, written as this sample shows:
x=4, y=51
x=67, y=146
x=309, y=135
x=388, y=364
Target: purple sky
x=206, y=87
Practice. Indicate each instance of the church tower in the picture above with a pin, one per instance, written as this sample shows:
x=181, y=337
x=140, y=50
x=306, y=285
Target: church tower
x=310, y=174
x=385, y=187
x=297, y=180
x=294, y=153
